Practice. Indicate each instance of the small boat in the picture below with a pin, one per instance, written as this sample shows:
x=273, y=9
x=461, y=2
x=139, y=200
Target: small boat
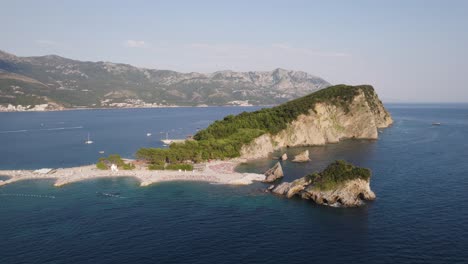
x=167, y=141
x=89, y=141
x=101, y=152
x=148, y=134
x=436, y=124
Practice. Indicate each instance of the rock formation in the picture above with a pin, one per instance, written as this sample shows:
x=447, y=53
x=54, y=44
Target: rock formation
x=276, y=172
x=284, y=156
x=340, y=185
x=302, y=157
x=327, y=122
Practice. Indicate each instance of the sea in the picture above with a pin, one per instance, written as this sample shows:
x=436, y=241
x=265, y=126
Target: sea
x=419, y=174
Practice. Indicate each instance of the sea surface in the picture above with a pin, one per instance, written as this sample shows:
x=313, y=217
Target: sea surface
x=420, y=177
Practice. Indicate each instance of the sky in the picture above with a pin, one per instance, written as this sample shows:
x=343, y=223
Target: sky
x=410, y=51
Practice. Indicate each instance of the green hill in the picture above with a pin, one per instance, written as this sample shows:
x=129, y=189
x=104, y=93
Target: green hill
x=225, y=138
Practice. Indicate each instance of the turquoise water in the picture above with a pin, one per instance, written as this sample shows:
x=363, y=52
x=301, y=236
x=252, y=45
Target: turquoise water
x=419, y=175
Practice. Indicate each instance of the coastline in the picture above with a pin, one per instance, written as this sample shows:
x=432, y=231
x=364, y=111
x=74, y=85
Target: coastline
x=220, y=172
x=133, y=107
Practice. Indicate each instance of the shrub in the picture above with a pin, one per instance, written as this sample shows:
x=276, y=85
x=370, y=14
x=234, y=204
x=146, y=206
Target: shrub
x=337, y=173
x=101, y=165
x=128, y=166
x=114, y=159
x=155, y=167
x=188, y=167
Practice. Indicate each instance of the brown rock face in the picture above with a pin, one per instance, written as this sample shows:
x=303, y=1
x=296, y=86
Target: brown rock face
x=350, y=194
x=302, y=157
x=341, y=184
x=276, y=172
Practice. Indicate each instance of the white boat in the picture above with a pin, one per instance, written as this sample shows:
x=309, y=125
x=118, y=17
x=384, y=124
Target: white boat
x=89, y=141
x=166, y=141
x=148, y=134
x=101, y=152
x=436, y=124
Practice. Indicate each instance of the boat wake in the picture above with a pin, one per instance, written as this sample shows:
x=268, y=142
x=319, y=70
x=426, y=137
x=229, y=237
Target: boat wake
x=113, y=195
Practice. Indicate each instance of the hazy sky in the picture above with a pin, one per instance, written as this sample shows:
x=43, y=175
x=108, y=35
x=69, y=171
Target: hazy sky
x=409, y=50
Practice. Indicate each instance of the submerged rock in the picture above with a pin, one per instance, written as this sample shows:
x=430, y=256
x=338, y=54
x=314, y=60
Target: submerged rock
x=276, y=172
x=284, y=156
x=339, y=185
x=282, y=188
x=302, y=157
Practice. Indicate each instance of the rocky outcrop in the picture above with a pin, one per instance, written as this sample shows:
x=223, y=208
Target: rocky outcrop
x=275, y=173
x=284, y=156
x=349, y=192
x=302, y=157
x=326, y=122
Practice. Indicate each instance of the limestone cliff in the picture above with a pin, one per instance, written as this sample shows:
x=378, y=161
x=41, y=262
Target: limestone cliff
x=327, y=122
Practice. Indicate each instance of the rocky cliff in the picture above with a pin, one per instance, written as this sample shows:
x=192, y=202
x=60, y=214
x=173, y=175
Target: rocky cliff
x=358, y=115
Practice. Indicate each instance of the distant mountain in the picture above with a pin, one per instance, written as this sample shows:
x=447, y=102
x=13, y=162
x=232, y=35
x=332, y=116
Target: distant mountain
x=66, y=83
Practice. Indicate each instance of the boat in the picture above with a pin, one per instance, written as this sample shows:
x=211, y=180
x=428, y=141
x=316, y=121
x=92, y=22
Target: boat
x=89, y=141
x=148, y=134
x=167, y=141
x=436, y=124
x=101, y=152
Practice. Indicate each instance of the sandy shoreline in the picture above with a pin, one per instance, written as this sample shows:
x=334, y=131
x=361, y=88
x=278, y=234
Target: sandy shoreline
x=221, y=172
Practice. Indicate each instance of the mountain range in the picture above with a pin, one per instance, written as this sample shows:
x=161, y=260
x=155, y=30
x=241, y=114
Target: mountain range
x=59, y=82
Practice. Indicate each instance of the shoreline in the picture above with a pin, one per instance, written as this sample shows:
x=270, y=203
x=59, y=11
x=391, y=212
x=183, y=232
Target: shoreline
x=212, y=172
x=136, y=107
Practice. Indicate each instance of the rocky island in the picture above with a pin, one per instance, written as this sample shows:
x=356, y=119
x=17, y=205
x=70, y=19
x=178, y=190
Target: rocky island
x=340, y=185
x=326, y=116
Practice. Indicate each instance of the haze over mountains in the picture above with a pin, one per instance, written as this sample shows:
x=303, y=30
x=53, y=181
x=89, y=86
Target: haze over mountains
x=66, y=83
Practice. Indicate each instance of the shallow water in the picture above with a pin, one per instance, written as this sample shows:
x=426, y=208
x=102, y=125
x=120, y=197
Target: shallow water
x=419, y=175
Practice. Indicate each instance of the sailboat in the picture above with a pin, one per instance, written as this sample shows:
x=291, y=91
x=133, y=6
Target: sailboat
x=167, y=141
x=89, y=141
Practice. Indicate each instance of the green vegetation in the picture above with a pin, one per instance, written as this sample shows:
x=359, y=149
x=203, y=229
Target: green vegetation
x=273, y=120
x=225, y=138
x=101, y=165
x=155, y=167
x=176, y=166
x=337, y=173
x=188, y=167
x=105, y=163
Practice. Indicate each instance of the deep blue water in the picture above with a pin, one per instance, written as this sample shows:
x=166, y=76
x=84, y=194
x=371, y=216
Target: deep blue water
x=420, y=176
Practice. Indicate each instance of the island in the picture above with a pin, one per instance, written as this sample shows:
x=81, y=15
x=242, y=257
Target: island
x=341, y=184
x=327, y=116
